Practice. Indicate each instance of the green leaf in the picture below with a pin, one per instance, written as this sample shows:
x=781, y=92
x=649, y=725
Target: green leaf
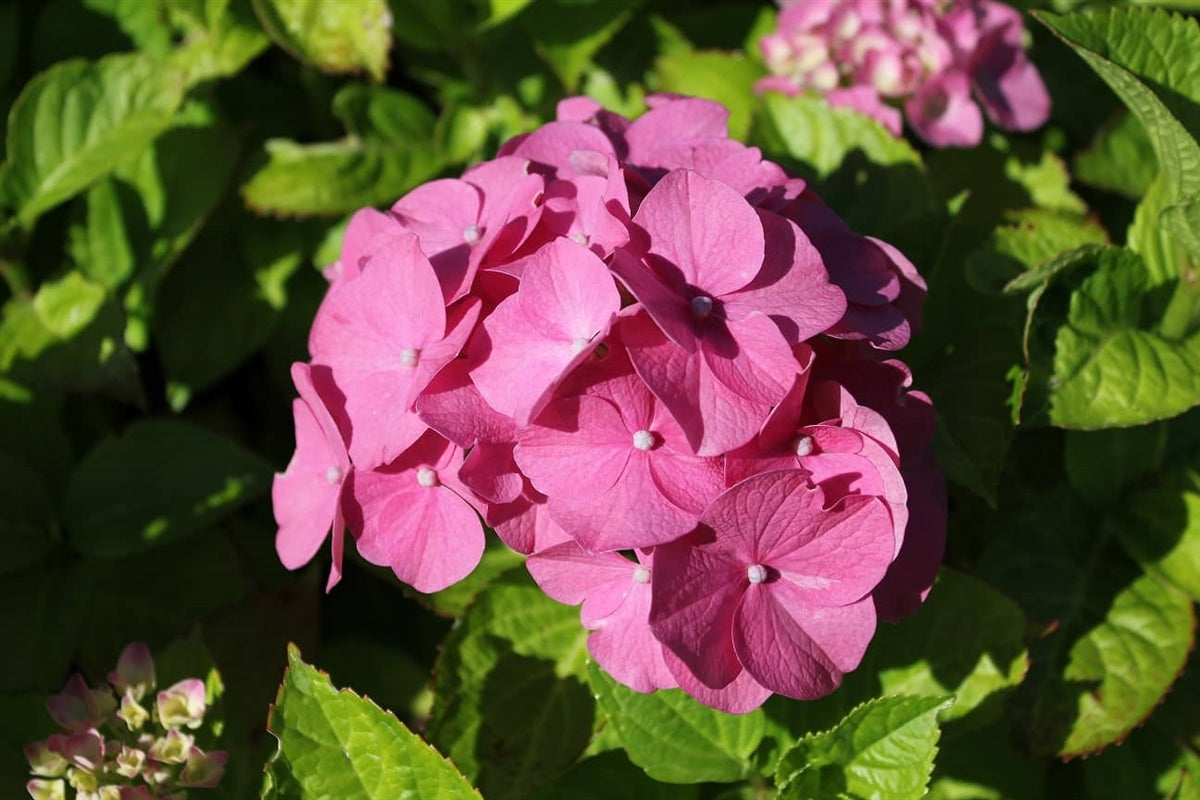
x=611, y=776
x=1113, y=639
x=1160, y=528
x=27, y=524
x=509, y=706
x=220, y=37
x=567, y=33
x=68, y=338
x=1146, y=57
x=1121, y=159
x=454, y=600
x=874, y=180
x=1102, y=464
x=337, y=177
x=1030, y=238
x=983, y=764
x=674, y=738
x=380, y=114
x=1098, y=352
x=159, y=482
x=1181, y=221
x=116, y=108
x=884, y=748
x=500, y=10
x=142, y=22
x=384, y=672
x=332, y=35
x=336, y=744
x=727, y=78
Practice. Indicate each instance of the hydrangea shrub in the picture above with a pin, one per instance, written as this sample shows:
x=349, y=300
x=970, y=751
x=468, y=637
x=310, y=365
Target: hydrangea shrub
x=654, y=363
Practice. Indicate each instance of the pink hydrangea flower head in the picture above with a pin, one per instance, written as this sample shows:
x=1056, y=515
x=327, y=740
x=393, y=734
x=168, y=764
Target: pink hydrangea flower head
x=774, y=581
x=79, y=707
x=939, y=61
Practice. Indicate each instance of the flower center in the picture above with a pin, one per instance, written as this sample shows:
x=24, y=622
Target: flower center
x=579, y=344
x=472, y=235
x=702, y=306
x=410, y=356
x=804, y=446
x=756, y=573
x=643, y=440
x=333, y=475
x=580, y=238
x=641, y=574
x=427, y=477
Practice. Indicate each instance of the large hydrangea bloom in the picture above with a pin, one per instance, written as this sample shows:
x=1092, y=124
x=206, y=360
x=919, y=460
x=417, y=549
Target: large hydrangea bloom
x=657, y=365
x=939, y=60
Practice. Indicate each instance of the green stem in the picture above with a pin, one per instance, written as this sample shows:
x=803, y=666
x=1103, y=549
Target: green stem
x=17, y=279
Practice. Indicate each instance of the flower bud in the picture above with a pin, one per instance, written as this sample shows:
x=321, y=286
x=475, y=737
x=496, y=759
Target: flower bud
x=79, y=707
x=85, y=750
x=203, y=770
x=132, y=712
x=135, y=671
x=47, y=790
x=130, y=762
x=172, y=748
x=82, y=781
x=182, y=705
x=45, y=760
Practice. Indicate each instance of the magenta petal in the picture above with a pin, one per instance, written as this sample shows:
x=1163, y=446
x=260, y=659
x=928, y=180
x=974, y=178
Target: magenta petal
x=625, y=647
x=555, y=142
x=453, y=407
x=703, y=229
x=751, y=359
x=580, y=445
x=444, y=214
x=364, y=225
x=777, y=652
x=695, y=594
x=740, y=696
x=943, y=114
x=571, y=575
x=664, y=135
x=842, y=633
x=1009, y=85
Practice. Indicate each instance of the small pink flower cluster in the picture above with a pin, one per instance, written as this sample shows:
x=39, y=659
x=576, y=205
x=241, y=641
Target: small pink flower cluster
x=630, y=338
x=930, y=55
x=121, y=750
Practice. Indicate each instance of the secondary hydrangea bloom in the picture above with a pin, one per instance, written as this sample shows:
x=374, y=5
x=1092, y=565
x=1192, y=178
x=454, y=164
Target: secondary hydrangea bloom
x=939, y=60
x=654, y=363
x=132, y=750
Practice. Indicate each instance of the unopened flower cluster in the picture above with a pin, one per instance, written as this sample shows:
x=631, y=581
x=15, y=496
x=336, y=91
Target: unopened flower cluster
x=938, y=59
x=656, y=364
x=135, y=745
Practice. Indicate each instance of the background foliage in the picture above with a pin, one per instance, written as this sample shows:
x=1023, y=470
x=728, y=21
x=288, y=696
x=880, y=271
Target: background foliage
x=176, y=171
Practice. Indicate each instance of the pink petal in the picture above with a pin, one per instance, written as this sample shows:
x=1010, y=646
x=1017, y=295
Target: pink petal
x=865, y=100
x=943, y=114
x=740, y=696
x=625, y=647
x=751, y=358
x=453, y=407
x=364, y=225
x=664, y=135
x=703, y=231
x=1009, y=86
x=444, y=214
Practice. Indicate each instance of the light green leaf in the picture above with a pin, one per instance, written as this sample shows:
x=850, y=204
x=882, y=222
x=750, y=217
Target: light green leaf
x=500, y=10
x=220, y=37
x=884, y=748
x=159, y=482
x=1100, y=355
x=1121, y=159
x=1031, y=238
x=1112, y=639
x=116, y=107
x=1147, y=59
x=1181, y=221
x=1160, y=528
x=725, y=77
x=674, y=738
x=68, y=338
x=332, y=35
x=567, y=33
x=509, y=706
x=874, y=180
x=337, y=177
x=142, y=22
x=336, y=744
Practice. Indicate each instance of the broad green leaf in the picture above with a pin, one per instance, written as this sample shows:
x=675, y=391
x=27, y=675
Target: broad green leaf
x=337, y=177
x=1044, y=176
x=223, y=300
x=454, y=600
x=1181, y=221
x=884, y=748
x=68, y=338
x=1030, y=238
x=220, y=37
x=383, y=672
x=100, y=244
x=33, y=432
x=1160, y=528
x=1099, y=353
x=1113, y=639
x=116, y=108
x=332, y=35
x=1147, y=59
x=437, y=27
x=870, y=177
x=567, y=33
x=1160, y=246
x=674, y=738
x=157, y=483
x=144, y=23
x=45, y=609
x=1121, y=159
x=500, y=10
x=727, y=78
x=336, y=744
x=510, y=707
x=1150, y=764
x=1102, y=464
x=380, y=114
